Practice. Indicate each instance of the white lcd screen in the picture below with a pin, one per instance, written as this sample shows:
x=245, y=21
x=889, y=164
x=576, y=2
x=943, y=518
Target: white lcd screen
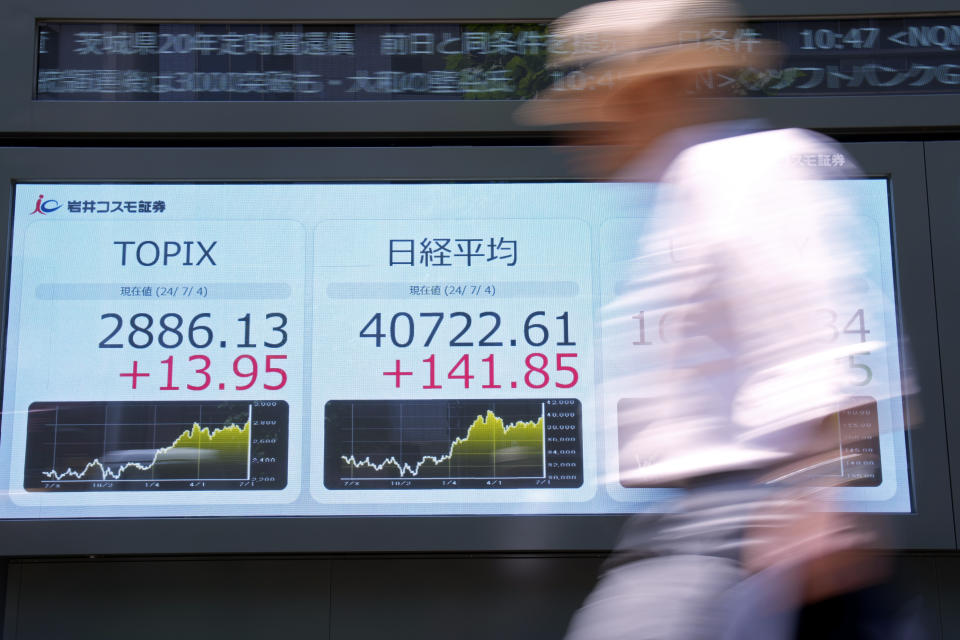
x=358, y=349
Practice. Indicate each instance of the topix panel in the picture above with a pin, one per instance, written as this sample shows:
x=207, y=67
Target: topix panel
x=332, y=349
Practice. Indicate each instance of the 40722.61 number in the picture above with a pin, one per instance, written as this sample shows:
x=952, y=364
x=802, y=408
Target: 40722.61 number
x=402, y=329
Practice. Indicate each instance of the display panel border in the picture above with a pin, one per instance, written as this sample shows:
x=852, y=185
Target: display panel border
x=21, y=114
x=941, y=158
x=930, y=526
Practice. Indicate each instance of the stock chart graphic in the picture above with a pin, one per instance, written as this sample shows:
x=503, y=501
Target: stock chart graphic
x=451, y=444
x=854, y=463
x=109, y=446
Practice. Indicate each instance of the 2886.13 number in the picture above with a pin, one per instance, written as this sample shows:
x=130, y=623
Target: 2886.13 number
x=169, y=332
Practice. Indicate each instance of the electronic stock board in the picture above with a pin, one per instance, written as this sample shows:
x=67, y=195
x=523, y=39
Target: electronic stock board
x=362, y=349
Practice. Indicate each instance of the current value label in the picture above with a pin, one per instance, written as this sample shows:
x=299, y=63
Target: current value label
x=367, y=349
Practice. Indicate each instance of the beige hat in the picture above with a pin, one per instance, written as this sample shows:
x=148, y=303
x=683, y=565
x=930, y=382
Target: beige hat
x=617, y=42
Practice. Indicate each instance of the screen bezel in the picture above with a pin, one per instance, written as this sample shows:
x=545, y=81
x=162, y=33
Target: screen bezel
x=944, y=196
x=929, y=526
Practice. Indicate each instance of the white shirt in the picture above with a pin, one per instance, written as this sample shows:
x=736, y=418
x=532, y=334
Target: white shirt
x=744, y=263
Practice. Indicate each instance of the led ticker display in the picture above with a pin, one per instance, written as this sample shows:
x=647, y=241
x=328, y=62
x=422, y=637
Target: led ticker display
x=366, y=349
x=448, y=61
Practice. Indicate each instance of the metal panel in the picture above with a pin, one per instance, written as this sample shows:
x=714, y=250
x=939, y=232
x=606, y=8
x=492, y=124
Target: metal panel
x=916, y=587
x=944, y=188
x=11, y=600
x=931, y=525
x=229, y=599
x=426, y=597
x=948, y=578
x=476, y=598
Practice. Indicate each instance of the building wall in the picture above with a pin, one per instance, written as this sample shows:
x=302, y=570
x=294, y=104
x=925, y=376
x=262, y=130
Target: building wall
x=424, y=595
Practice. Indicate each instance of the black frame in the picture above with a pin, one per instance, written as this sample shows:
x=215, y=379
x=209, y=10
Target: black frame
x=944, y=190
x=930, y=527
x=21, y=116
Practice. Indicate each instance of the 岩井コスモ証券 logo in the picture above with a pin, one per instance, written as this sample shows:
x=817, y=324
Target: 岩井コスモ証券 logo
x=43, y=208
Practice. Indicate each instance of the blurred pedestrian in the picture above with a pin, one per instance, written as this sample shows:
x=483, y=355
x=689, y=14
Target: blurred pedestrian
x=745, y=260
